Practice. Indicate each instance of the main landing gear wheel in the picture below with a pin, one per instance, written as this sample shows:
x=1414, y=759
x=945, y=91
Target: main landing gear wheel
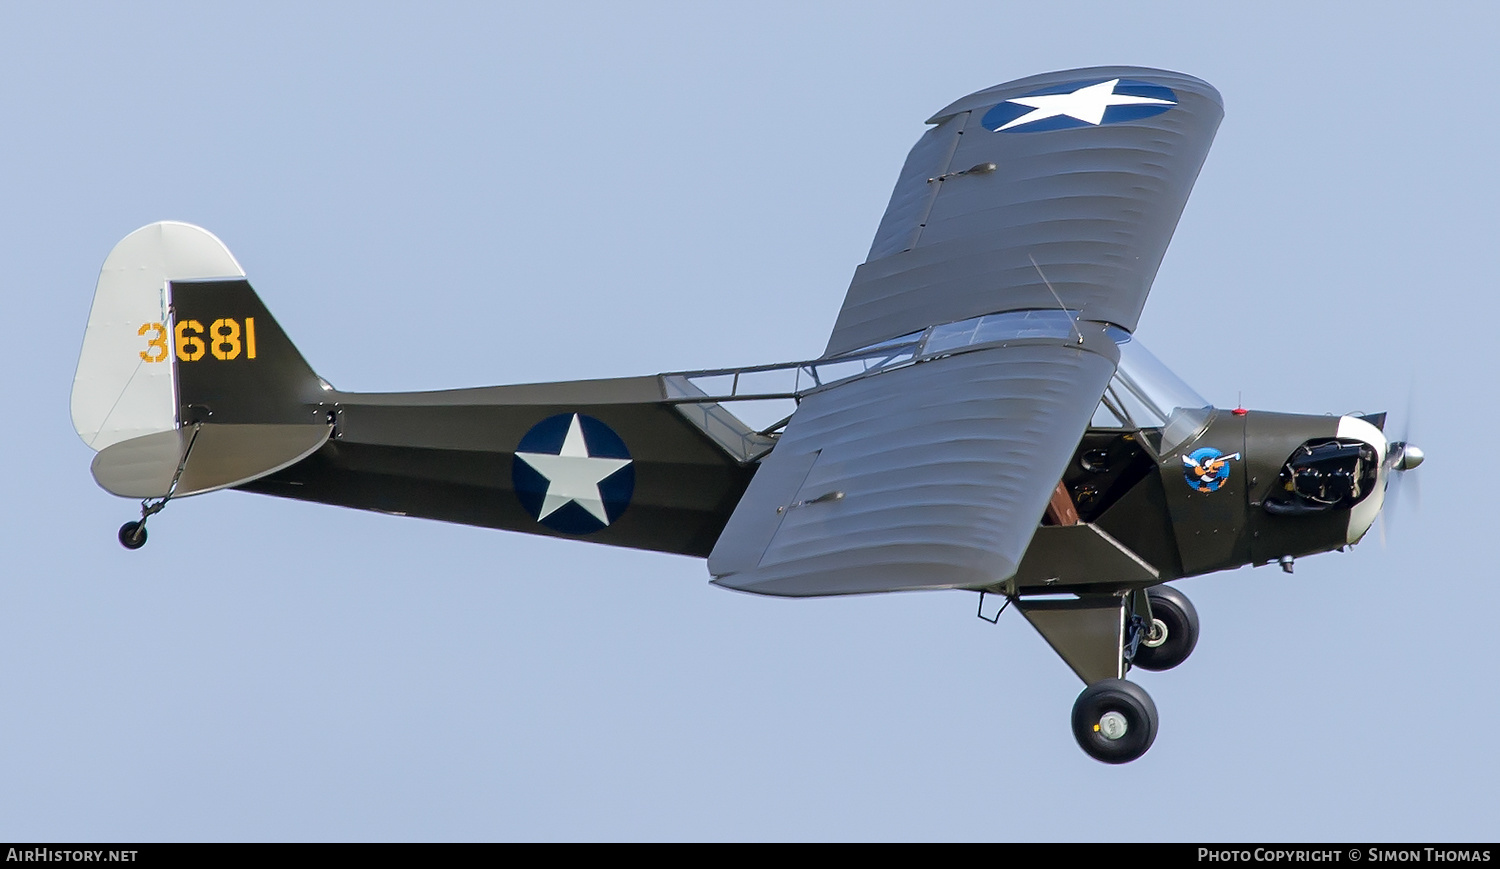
x=1114, y=721
x=1173, y=632
x=133, y=535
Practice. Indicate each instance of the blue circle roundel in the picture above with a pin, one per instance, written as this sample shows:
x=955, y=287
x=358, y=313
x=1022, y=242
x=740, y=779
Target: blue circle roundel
x=573, y=474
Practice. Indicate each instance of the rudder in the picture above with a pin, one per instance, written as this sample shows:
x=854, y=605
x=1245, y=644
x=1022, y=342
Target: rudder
x=124, y=387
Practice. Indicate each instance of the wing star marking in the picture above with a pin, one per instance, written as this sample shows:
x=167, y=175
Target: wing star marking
x=1086, y=104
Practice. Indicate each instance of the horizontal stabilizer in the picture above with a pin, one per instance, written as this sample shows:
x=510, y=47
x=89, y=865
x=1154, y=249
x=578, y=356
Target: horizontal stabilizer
x=202, y=458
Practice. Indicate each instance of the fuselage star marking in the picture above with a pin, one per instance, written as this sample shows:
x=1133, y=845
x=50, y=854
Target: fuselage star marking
x=573, y=475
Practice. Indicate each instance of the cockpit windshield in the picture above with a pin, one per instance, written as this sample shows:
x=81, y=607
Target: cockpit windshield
x=1146, y=396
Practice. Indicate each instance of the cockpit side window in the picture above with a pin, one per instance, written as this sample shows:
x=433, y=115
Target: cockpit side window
x=1146, y=396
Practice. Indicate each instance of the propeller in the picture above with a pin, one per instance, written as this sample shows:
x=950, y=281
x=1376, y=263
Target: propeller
x=1401, y=455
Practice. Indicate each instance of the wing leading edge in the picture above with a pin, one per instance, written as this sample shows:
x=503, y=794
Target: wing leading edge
x=1060, y=190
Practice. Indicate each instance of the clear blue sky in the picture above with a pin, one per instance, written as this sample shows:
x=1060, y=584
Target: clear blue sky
x=476, y=194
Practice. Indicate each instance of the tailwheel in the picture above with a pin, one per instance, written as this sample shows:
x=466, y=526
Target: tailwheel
x=1173, y=631
x=133, y=534
x=1114, y=721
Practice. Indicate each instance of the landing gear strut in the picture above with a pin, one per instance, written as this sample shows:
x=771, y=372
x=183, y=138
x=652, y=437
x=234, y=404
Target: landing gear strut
x=1101, y=636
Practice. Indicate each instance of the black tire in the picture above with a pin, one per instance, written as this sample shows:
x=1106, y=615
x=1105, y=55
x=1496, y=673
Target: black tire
x=1175, y=612
x=133, y=535
x=1127, y=703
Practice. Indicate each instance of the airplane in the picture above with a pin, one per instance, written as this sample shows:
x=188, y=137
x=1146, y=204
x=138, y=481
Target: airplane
x=982, y=417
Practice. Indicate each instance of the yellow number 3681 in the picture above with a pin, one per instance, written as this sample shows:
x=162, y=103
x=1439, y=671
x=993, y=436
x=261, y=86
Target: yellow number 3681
x=225, y=340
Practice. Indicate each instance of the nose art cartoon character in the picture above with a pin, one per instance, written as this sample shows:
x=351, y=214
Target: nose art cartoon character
x=1207, y=469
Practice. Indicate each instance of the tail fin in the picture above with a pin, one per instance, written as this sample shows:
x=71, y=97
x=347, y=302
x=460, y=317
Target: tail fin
x=182, y=361
x=234, y=364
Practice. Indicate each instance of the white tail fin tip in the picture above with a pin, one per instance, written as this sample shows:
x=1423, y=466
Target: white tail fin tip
x=124, y=384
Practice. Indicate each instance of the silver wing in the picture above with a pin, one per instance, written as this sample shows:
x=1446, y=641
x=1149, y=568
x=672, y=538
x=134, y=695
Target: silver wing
x=1057, y=191
x=1094, y=205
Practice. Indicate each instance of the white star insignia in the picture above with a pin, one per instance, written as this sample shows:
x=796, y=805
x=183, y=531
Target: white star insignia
x=1087, y=104
x=573, y=476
